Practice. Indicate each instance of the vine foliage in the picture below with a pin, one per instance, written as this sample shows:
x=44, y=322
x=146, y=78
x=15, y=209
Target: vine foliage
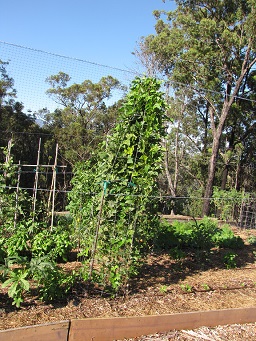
x=112, y=202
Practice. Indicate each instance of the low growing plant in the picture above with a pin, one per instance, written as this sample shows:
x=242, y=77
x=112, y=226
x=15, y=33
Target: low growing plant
x=52, y=282
x=17, y=278
x=199, y=235
x=177, y=253
x=252, y=240
x=2, y=250
x=55, y=244
x=230, y=260
x=163, y=289
x=205, y=286
x=186, y=287
x=17, y=243
x=225, y=238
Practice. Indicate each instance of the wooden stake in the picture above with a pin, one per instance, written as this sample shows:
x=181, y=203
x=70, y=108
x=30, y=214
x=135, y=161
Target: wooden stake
x=94, y=248
x=36, y=180
x=54, y=183
x=17, y=196
x=8, y=154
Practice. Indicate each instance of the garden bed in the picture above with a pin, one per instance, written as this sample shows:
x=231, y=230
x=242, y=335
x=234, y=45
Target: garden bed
x=164, y=285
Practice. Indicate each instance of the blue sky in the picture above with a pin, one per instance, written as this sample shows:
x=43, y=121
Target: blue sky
x=100, y=31
x=103, y=32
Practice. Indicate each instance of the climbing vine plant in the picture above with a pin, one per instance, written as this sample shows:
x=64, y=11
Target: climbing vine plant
x=113, y=198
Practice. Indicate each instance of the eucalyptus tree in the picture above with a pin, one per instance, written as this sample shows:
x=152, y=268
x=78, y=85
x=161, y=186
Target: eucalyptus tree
x=209, y=47
x=7, y=95
x=7, y=90
x=14, y=123
x=239, y=133
x=84, y=116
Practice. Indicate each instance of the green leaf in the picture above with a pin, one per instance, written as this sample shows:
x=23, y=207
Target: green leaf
x=7, y=282
x=17, y=301
x=25, y=284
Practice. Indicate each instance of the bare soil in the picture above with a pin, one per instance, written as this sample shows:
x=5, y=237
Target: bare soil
x=163, y=286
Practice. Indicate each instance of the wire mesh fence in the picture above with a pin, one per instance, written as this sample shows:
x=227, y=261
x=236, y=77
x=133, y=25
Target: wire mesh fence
x=241, y=214
x=30, y=68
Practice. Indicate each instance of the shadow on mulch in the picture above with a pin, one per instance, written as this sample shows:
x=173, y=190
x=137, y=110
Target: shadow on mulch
x=161, y=268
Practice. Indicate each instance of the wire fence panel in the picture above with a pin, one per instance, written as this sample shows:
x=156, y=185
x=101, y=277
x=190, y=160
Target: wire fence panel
x=31, y=69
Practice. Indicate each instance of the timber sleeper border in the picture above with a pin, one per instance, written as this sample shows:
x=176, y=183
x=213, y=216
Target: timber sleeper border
x=118, y=328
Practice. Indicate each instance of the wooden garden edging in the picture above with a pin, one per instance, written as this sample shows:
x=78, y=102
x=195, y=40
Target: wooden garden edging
x=109, y=329
x=46, y=332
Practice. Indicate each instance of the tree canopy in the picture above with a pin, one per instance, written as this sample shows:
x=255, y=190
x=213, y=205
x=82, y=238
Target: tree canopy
x=210, y=48
x=85, y=117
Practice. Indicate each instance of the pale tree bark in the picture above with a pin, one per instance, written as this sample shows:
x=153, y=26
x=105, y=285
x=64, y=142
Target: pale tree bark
x=218, y=129
x=172, y=184
x=172, y=179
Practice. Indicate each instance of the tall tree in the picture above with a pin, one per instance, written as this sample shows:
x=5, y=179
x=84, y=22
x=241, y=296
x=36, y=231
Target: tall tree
x=209, y=46
x=7, y=90
x=13, y=120
x=240, y=129
x=85, y=115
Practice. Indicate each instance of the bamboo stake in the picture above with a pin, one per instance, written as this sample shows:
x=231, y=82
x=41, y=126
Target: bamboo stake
x=46, y=166
x=36, y=179
x=17, y=196
x=8, y=155
x=54, y=183
x=94, y=248
x=241, y=213
x=50, y=195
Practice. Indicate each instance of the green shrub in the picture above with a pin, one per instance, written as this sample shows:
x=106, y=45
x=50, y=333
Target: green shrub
x=196, y=235
x=55, y=244
x=202, y=235
x=230, y=260
x=226, y=202
x=225, y=238
x=17, y=244
x=53, y=282
x=165, y=238
x=15, y=278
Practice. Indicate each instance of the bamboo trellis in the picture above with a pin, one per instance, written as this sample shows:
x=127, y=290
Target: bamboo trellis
x=37, y=166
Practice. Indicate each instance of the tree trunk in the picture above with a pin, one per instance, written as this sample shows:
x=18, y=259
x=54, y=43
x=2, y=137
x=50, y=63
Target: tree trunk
x=225, y=176
x=215, y=150
x=168, y=175
x=172, y=184
x=217, y=131
x=211, y=174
